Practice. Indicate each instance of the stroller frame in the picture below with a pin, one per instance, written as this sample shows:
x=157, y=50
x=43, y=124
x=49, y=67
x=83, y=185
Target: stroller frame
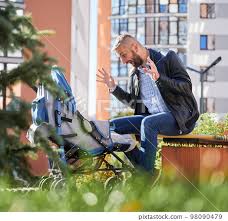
x=97, y=136
x=101, y=159
x=70, y=150
x=55, y=179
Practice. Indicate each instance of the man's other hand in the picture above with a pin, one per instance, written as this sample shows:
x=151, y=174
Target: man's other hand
x=152, y=70
x=104, y=77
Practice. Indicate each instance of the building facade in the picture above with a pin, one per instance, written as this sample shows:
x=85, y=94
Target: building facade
x=207, y=40
x=194, y=29
x=157, y=24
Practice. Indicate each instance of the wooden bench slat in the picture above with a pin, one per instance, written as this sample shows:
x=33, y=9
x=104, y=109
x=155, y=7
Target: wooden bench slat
x=196, y=138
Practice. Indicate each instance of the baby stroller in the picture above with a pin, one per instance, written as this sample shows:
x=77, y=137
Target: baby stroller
x=85, y=144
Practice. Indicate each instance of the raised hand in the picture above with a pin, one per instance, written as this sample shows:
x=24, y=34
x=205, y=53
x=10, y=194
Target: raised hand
x=152, y=70
x=104, y=77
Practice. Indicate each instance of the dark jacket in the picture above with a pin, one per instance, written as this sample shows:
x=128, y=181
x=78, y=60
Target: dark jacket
x=175, y=87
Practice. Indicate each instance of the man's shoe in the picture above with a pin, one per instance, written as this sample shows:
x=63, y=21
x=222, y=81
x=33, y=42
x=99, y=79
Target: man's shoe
x=123, y=147
x=123, y=142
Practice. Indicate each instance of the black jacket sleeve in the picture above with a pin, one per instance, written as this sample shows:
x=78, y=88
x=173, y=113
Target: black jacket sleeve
x=178, y=80
x=123, y=96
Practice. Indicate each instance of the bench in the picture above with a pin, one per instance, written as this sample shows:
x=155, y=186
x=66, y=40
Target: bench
x=195, y=158
x=197, y=139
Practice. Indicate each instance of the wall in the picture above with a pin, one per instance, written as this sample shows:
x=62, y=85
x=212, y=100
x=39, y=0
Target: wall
x=104, y=56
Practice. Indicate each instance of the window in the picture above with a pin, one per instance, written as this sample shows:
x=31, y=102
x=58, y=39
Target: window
x=166, y=31
x=132, y=26
x=150, y=31
x=141, y=30
x=207, y=42
x=115, y=105
x=182, y=55
x=129, y=68
x=122, y=7
x=11, y=66
x=20, y=12
x=132, y=6
x=114, y=64
x=123, y=84
x=163, y=7
x=173, y=6
x=163, y=30
x=150, y=6
x=209, y=105
x=123, y=25
x=182, y=31
x=1, y=53
x=183, y=6
x=17, y=1
x=8, y=67
x=173, y=30
x=117, y=68
x=113, y=41
x=141, y=7
x=207, y=10
x=115, y=27
x=210, y=42
x=203, y=42
x=16, y=53
x=114, y=68
x=1, y=66
x=115, y=7
x=122, y=70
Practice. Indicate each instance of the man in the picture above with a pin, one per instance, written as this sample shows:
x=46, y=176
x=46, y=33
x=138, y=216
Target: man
x=160, y=93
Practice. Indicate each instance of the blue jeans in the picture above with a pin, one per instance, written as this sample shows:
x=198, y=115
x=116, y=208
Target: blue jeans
x=148, y=127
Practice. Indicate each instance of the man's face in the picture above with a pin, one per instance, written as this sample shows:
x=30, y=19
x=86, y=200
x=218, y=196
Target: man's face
x=128, y=56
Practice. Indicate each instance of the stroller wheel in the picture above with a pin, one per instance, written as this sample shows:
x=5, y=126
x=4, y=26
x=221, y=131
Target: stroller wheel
x=43, y=179
x=58, y=184
x=45, y=183
x=111, y=182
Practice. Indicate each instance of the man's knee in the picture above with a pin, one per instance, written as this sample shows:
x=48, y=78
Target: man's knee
x=114, y=126
x=150, y=123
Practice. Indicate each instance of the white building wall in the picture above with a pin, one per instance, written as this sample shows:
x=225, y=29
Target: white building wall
x=197, y=57
x=84, y=63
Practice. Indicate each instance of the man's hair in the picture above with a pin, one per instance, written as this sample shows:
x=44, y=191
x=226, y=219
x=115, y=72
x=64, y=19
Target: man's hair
x=123, y=39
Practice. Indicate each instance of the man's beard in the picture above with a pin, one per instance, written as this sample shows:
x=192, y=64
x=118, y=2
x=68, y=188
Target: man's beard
x=136, y=60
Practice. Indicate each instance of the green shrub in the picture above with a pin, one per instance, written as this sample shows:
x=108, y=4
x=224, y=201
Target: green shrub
x=136, y=195
x=209, y=125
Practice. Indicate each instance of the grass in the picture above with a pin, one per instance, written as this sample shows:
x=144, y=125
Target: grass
x=136, y=195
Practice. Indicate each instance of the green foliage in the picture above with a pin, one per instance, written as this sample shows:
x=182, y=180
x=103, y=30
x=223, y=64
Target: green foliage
x=209, y=125
x=124, y=113
x=18, y=33
x=137, y=194
x=226, y=123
